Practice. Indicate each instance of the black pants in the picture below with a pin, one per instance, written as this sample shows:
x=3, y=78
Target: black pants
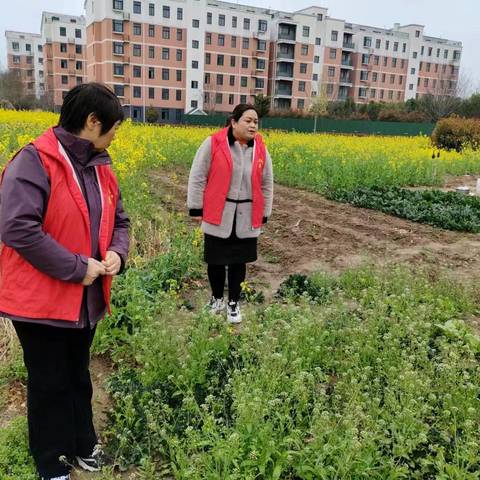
x=59, y=394
x=236, y=275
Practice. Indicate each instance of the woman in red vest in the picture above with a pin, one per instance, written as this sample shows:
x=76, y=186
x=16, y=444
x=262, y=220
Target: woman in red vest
x=64, y=235
x=230, y=190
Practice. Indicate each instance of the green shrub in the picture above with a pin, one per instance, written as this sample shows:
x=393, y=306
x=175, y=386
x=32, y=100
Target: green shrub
x=456, y=133
x=15, y=460
x=448, y=210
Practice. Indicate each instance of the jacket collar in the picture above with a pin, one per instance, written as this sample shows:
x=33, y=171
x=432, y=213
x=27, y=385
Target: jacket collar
x=81, y=151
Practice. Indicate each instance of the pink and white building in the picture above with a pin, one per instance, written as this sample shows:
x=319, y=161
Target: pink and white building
x=180, y=55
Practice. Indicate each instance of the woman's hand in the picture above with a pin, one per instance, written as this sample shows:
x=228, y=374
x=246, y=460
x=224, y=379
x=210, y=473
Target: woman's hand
x=112, y=263
x=197, y=219
x=94, y=270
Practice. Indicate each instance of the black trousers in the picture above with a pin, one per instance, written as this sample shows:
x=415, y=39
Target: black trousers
x=59, y=394
x=236, y=275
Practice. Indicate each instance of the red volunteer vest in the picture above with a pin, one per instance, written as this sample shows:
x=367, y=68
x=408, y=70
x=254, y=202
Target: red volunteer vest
x=24, y=290
x=220, y=175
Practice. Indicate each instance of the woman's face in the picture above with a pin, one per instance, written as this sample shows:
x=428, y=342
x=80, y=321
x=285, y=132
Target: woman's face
x=246, y=127
x=103, y=141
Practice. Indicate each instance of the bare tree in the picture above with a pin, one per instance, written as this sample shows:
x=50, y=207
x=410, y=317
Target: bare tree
x=319, y=105
x=11, y=87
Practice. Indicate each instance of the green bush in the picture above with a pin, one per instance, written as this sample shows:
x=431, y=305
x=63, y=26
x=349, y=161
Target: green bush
x=15, y=460
x=448, y=210
x=456, y=133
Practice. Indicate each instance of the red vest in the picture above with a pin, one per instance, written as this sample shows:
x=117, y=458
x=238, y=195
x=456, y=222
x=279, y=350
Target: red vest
x=220, y=175
x=24, y=290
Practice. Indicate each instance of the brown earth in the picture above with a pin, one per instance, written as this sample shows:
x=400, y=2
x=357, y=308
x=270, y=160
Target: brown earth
x=309, y=233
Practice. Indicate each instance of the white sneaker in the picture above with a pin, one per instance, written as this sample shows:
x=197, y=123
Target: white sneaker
x=94, y=462
x=233, y=312
x=62, y=477
x=216, y=305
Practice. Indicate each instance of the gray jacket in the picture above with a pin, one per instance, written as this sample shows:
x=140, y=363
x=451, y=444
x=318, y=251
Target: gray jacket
x=240, y=189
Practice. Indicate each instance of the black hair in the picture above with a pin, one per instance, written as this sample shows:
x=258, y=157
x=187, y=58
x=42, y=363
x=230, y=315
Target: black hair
x=238, y=111
x=88, y=98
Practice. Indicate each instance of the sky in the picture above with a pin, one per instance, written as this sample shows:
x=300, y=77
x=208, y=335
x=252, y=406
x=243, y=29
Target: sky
x=454, y=20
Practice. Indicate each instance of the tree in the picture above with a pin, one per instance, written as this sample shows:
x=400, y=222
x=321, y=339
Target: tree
x=11, y=87
x=151, y=115
x=319, y=106
x=470, y=107
x=262, y=104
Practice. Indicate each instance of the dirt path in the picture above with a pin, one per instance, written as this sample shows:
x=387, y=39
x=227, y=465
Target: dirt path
x=307, y=232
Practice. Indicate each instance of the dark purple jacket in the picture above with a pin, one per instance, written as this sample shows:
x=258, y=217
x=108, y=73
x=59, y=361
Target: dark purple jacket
x=24, y=197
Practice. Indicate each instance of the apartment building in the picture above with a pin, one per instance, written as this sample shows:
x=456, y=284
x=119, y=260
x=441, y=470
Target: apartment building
x=25, y=56
x=181, y=55
x=64, y=45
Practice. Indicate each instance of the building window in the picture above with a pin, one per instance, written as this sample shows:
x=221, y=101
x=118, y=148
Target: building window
x=179, y=13
x=260, y=83
x=166, y=33
x=64, y=80
x=232, y=80
x=195, y=23
x=15, y=46
x=395, y=46
x=63, y=32
x=306, y=31
x=207, y=79
x=385, y=61
x=209, y=18
x=221, y=20
x=218, y=98
x=179, y=35
x=221, y=40
x=245, y=43
x=244, y=62
x=179, y=55
x=233, y=61
x=394, y=62
x=315, y=77
x=194, y=103
x=262, y=25
x=387, y=44
x=137, y=29
x=384, y=77
x=220, y=60
x=63, y=64
x=392, y=78
x=151, y=92
x=118, y=69
x=118, y=4
x=63, y=48
x=362, y=92
x=378, y=43
x=78, y=49
x=117, y=26
x=234, y=22
x=318, y=41
x=367, y=41
x=330, y=89
x=78, y=65
x=231, y=98
x=374, y=77
x=428, y=67
x=137, y=7
x=301, y=86
x=165, y=74
x=195, y=44
x=137, y=71
x=373, y=93
x=166, y=12
x=233, y=42
x=246, y=24
x=165, y=53
x=417, y=33
x=137, y=50
x=300, y=103
x=376, y=60
x=445, y=54
x=412, y=71
x=304, y=50
x=331, y=71
x=243, y=99
x=333, y=53
x=430, y=49
x=151, y=30
x=194, y=84
x=151, y=73
x=365, y=58
x=78, y=33
x=118, y=90
x=151, y=51
x=364, y=75
x=179, y=75
x=243, y=81
x=219, y=79
x=194, y=64
x=208, y=38
x=178, y=95
x=334, y=35
x=303, y=68
x=137, y=92
x=260, y=64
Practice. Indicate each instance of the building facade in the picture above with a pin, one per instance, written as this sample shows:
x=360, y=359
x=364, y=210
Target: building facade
x=25, y=57
x=64, y=48
x=180, y=55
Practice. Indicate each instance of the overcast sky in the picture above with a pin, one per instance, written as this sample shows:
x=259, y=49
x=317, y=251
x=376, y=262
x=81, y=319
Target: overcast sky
x=454, y=20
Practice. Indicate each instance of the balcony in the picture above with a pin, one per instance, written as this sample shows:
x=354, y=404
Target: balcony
x=259, y=53
x=260, y=34
x=287, y=35
x=347, y=64
x=286, y=57
x=285, y=75
x=347, y=45
x=346, y=80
